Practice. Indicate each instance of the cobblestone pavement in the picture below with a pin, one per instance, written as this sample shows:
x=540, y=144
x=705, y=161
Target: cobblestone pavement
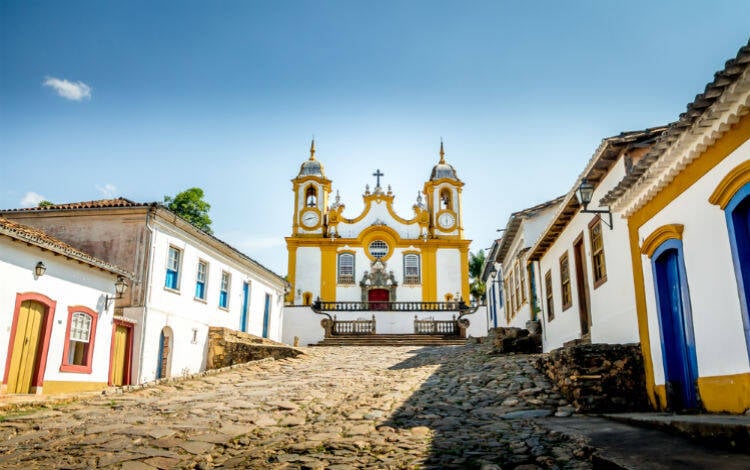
x=336, y=408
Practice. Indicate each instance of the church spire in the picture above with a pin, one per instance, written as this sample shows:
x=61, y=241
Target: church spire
x=312, y=149
x=442, y=153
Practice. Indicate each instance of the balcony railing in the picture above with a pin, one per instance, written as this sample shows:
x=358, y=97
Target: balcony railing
x=436, y=327
x=451, y=306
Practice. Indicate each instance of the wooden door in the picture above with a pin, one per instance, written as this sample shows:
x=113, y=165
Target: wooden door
x=25, y=359
x=162, y=371
x=582, y=287
x=120, y=356
x=378, y=299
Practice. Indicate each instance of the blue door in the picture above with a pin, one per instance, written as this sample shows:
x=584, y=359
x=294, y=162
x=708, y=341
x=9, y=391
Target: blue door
x=245, y=298
x=678, y=347
x=266, y=315
x=738, y=222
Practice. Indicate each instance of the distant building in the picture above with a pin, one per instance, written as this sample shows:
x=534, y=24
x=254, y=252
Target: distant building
x=376, y=257
x=492, y=276
x=586, y=293
x=57, y=328
x=185, y=280
x=687, y=204
x=520, y=283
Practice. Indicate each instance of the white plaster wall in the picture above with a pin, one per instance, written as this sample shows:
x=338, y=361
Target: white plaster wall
x=67, y=282
x=448, y=261
x=304, y=323
x=395, y=263
x=183, y=313
x=719, y=338
x=307, y=272
x=478, y=325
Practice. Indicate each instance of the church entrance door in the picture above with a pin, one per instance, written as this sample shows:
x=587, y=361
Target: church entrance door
x=378, y=299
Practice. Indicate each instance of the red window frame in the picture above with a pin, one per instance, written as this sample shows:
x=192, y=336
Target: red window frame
x=85, y=369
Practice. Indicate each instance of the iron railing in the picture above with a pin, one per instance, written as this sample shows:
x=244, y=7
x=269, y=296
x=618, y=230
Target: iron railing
x=451, y=306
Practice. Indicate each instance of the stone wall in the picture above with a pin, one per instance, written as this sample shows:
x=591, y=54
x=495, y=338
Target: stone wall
x=515, y=340
x=227, y=347
x=598, y=377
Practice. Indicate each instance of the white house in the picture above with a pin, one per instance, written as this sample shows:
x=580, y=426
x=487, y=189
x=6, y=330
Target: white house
x=586, y=289
x=687, y=208
x=185, y=280
x=519, y=280
x=57, y=327
x=492, y=276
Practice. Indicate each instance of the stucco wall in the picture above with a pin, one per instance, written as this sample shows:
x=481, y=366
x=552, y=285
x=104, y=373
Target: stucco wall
x=719, y=338
x=67, y=282
x=612, y=304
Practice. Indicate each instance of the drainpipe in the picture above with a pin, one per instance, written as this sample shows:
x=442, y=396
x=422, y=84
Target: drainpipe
x=147, y=290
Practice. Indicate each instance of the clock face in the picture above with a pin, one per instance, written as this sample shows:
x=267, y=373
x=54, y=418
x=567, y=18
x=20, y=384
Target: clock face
x=310, y=219
x=446, y=220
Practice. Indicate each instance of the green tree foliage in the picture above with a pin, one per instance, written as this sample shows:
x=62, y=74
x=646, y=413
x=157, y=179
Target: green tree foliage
x=189, y=205
x=476, y=286
x=46, y=203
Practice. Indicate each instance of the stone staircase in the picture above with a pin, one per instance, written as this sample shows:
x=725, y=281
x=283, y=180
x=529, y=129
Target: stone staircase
x=392, y=340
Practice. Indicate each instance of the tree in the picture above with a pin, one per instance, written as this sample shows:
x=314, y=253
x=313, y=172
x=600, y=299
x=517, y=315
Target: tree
x=45, y=203
x=476, y=286
x=189, y=205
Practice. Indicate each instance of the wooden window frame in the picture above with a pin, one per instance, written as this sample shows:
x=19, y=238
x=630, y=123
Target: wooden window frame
x=85, y=368
x=412, y=280
x=227, y=290
x=549, y=295
x=565, y=287
x=596, y=222
x=205, y=280
x=178, y=271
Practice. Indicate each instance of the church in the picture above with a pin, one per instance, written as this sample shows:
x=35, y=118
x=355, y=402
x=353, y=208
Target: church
x=378, y=260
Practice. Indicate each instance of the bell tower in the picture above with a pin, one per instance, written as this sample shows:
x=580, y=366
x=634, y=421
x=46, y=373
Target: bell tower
x=311, y=191
x=443, y=192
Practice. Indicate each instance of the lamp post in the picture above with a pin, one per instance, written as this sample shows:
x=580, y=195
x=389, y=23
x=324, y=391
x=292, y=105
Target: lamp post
x=584, y=194
x=40, y=269
x=120, y=287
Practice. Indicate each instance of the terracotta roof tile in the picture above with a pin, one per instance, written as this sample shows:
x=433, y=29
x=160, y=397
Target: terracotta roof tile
x=43, y=240
x=97, y=204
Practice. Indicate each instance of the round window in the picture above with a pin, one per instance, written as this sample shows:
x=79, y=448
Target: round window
x=378, y=248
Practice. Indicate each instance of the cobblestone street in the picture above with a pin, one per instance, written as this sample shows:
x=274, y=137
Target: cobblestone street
x=337, y=408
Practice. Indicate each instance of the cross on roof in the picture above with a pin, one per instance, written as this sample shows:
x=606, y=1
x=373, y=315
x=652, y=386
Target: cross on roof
x=377, y=175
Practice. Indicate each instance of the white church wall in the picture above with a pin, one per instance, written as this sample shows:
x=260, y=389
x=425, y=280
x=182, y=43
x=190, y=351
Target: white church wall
x=448, y=272
x=378, y=213
x=307, y=274
x=303, y=323
x=719, y=338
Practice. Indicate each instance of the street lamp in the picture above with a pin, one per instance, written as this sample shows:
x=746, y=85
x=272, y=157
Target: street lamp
x=584, y=194
x=120, y=287
x=40, y=269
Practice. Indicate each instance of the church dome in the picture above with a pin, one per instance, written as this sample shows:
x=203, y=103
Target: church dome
x=311, y=167
x=442, y=169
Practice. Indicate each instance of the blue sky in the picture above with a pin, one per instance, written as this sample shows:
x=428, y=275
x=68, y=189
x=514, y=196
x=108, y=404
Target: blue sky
x=226, y=96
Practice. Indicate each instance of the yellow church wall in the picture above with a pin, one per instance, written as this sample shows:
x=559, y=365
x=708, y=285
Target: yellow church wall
x=54, y=387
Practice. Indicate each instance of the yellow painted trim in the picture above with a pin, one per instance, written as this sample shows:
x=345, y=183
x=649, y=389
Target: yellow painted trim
x=465, y=293
x=732, y=182
x=377, y=198
x=712, y=156
x=429, y=273
x=659, y=236
x=725, y=393
x=291, y=272
x=318, y=241
x=54, y=387
x=379, y=232
x=328, y=273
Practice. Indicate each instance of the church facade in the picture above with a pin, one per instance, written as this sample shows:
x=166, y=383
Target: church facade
x=377, y=256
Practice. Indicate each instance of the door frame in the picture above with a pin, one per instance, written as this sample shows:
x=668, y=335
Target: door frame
x=686, y=320
x=245, y=306
x=741, y=267
x=41, y=362
x=170, y=353
x=582, y=285
x=128, y=351
x=266, y=316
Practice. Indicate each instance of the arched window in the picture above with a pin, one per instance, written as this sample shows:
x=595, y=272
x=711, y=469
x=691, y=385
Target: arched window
x=346, y=268
x=446, y=201
x=311, y=197
x=79, y=346
x=738, y=223
x=411, y=269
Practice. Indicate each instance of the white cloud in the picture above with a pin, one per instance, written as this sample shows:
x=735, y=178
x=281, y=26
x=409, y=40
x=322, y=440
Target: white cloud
x=31, y=199
x=108, y=191
x=76, y=91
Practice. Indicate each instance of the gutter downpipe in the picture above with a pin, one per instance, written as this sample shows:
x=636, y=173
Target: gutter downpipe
x=147, y=292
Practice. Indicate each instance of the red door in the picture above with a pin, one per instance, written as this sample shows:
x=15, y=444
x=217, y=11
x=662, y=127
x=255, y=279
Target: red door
x=378, y=299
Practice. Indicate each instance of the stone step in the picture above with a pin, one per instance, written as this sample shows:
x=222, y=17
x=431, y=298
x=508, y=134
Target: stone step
x=391, y=340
